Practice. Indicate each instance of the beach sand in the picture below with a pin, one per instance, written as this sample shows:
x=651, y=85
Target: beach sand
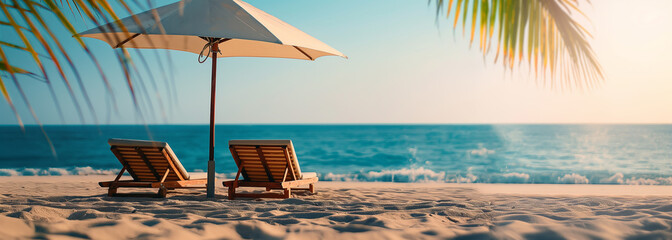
x=74, y=207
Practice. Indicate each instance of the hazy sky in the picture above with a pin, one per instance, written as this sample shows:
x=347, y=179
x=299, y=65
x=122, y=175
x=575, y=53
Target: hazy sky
x=404, y=67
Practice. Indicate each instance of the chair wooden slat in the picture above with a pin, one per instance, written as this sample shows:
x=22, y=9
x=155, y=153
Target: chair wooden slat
x=265, y=165
x=148, y=163
x=149, y=166
x=236, y=158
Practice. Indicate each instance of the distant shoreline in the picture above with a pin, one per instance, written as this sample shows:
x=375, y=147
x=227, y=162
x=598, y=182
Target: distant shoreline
x=484, y=188
x=590, y=189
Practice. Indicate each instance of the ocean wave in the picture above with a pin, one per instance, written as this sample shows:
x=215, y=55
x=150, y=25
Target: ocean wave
x=619, y=178
x=573, y=179
x=427, y=175
x=411, y=174
x=615, y=179
x=513, y=177
x=398, y=175
x=481, y=151
x=55, y=171
x=420, y=174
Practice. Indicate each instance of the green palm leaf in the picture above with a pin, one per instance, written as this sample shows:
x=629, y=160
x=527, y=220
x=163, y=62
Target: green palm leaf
x=542, y=33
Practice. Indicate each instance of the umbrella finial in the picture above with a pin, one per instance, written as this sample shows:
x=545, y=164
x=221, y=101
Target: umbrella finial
x=212, y=46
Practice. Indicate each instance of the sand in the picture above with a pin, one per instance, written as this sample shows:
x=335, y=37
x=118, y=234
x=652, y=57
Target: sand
x=74, y=207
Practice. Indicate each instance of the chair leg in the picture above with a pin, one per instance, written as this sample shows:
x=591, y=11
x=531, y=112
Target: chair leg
x=311, y=188
x=232, y=193
x=288, y=192
x=163, y=192
x=112, y=191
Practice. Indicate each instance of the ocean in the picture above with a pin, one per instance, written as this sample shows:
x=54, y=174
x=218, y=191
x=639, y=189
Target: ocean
x=567, y=154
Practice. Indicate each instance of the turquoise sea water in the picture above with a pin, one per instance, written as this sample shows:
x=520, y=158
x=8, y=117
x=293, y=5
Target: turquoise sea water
x=594, y=154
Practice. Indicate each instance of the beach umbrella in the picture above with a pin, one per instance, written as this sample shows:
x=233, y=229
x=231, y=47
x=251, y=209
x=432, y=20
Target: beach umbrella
x=223, y=28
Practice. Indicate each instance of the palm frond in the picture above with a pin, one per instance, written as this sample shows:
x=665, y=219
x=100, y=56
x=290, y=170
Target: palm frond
x=34, y=35
x=67, y=57
x=23, y=95
x=542, y=33
x=52, y=55
x=24, y=16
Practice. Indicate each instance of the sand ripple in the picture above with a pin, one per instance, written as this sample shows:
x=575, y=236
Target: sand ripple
x=339, y=210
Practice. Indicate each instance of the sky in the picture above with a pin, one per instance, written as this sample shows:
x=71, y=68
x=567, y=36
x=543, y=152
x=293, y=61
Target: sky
x=404, y=66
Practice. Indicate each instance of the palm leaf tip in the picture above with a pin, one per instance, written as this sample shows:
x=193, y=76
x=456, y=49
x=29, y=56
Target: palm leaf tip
x=6, y=67
x=542, y=33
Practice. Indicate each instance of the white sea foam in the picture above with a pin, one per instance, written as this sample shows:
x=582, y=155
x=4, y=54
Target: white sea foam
x=513, y=177
x=394, y=175
x=9, y=172
x=222, y=175
x=517, y=175
x=573, y=178
x=401, y=175
x=615, y=179
x=641, y=181
x=619, y=178
x=427, y=175
x=649, y=181
x=469, y=178
x=58, y=172
x=91, y=171
x=664, y=181
x=481, y=152
x=339, y=177
x=410, y=174
x=413, y=151
x=33, y=172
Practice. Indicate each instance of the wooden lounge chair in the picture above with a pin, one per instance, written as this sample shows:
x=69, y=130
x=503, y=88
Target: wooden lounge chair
x=151, y=164
x=267, y=163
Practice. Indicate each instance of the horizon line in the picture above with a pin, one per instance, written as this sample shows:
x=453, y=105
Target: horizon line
x=296, y=124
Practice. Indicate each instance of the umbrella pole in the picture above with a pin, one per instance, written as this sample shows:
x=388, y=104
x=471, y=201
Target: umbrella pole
x=211, y=159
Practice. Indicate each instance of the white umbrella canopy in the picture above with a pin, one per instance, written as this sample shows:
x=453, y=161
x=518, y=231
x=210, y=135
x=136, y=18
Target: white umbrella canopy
x=183, y=25
x=226, y=28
